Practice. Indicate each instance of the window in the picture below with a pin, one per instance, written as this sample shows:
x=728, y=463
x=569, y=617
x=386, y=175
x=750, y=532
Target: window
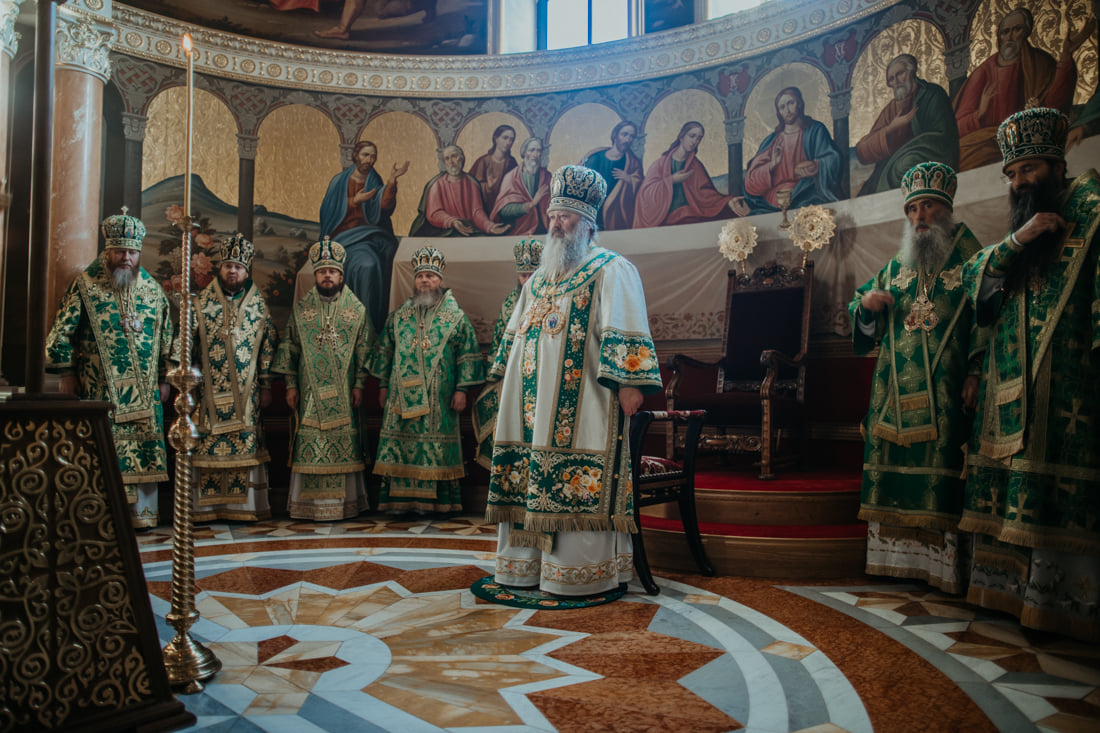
x=583, y=22
x=718, y=8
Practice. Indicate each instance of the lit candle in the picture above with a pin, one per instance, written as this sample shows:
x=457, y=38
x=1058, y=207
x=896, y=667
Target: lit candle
x=187, y=49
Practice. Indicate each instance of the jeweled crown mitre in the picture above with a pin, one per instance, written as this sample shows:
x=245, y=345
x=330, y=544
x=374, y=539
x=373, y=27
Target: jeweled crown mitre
x=429, y=259
x=238, y=249
x=579, y=189
x=123, y=231
x=1039, y=132
x=528, y=253
x=930, y=180
x=327, y=253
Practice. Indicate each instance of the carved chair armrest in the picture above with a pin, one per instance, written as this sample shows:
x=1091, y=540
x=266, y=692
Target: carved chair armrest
x=772, y=359
x=676, y=365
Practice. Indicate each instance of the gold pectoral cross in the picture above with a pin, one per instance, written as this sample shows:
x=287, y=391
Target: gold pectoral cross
x=328, y=336
x=922, y=315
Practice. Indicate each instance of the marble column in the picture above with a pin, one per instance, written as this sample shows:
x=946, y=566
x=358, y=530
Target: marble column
x=840, y=103
x=246, y=183
x=9, y=44
x=735, y=140
x=133, y=132
x=82, y=71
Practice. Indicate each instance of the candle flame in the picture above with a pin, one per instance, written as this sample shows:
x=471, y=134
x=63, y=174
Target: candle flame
x=187, y=43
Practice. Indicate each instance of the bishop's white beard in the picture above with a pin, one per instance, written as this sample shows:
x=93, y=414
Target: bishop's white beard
x=927, y=251
x=427, y=298
x=561, y=254
x=122, y=279
x=903, y=91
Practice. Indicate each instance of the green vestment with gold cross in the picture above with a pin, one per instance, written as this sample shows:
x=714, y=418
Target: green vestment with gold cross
x=117, y=345
x=916, y=428
x=424, y=355
x=324, y=356
x=236, y=341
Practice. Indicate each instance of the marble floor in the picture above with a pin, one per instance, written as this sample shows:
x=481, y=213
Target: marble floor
x=369, y=625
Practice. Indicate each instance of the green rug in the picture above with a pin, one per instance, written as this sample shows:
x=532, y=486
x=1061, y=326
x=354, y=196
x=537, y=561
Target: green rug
x=487, y=590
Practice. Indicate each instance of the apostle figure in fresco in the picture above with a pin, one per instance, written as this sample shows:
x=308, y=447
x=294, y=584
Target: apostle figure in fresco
x=799, y=156
x=622, y=171
x=916, y=126
x=525, y=192
x=1019, y=76
x=452, y=203
x=110, y=341
x=354, y=8
x=677, y=188
x=490, y=169
x=356, y=209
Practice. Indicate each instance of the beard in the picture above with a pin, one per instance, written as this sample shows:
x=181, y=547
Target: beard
x=563, y=252
x=1009, y=51
x=122, y=278
x=329, y=292
x=1043, y=196
x=530, y=167
x=232, y=289
x=927, y=251
x=902, y=91
x=427, y=298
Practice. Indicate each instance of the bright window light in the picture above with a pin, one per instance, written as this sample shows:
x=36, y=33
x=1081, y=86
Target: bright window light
x=718, y=8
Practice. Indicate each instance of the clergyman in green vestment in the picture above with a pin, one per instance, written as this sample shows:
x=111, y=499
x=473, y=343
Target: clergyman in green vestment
x=235, y=342
x=426, y=359
x=1033, y=470
x=324, y=358
x=924, y=390
x=110, y=341
x=528, y=254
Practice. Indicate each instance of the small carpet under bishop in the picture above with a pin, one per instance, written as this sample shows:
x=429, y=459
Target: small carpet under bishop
x=487, y=590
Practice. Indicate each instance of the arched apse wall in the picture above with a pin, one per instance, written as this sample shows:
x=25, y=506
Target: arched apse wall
x=1054, y=19
x=669, y=115
x=580, y=130
x=214, y=145
x=297, y=154
x=760, y=119
x=869, y=91
x=401, y=136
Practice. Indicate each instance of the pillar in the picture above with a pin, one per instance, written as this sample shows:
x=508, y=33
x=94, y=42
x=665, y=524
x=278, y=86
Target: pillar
x=9, y=44
x=840, y=103
x=957, y=66
x=82, y=70
x=735, y=139
x=133, y=132
x=246, y=183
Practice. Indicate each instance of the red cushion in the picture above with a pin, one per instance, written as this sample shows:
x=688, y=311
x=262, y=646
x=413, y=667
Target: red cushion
x=656, y=466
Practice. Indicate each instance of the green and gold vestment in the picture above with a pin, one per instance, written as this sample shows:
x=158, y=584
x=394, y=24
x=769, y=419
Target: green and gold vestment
x=1033, y=470
x=324, y=356
x=117, y=345
x=916, y=428
x=236, y=342
x=488, y=399
x=425, y=355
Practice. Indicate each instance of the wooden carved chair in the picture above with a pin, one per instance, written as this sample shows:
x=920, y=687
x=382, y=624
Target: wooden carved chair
x=757, y=405
x=660, y=480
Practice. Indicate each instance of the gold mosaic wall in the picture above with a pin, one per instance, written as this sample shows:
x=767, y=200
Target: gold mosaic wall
x=401, y=136
x=298, y=153
x=581, y=129
x=670, y=114
x=214, y=150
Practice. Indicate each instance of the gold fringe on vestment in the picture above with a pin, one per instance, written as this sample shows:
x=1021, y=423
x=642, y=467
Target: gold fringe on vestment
x=890, y=571
x=397, y=470
x=144, y=478
x=1004, y=448
x=905, y=438
x=220, y=462
x=940, y=523
x=326, y=470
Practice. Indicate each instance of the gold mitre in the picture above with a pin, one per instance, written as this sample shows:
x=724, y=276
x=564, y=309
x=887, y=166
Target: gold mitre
x=238, y=249
x=1039, y=132
x=579, y=189
x=930, y=180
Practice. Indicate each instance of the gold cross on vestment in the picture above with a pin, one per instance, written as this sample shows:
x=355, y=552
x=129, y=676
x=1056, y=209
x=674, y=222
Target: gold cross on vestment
x=1074, y=417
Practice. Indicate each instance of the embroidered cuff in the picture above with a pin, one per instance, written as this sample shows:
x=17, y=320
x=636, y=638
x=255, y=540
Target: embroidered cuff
x=1001, y=257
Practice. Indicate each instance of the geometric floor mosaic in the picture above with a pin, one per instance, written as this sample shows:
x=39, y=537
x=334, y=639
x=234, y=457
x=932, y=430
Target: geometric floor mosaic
x=369, y=625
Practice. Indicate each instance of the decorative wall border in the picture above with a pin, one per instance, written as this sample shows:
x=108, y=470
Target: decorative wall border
x=771, y=26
